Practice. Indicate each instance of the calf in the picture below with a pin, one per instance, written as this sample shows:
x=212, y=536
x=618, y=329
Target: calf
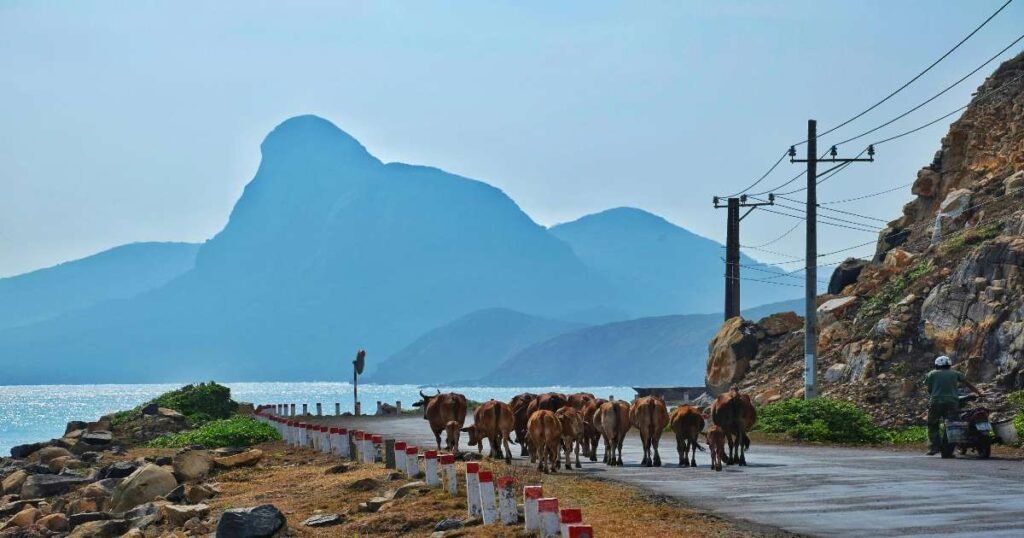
x=545, y=432
x=687, y=423
x=571, y=422
x=613, y=418
x=493, y=421
x=439, y=410
x=716, y=444
x=650, y=416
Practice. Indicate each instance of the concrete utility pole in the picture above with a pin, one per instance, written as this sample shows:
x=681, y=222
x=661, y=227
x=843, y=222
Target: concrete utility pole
x=732, y=249
x=811, y=261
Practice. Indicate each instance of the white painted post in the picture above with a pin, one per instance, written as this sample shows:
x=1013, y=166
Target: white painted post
x=310, y=436
x=325, y=434
x=344, y=448
x=507, y=501
x=400, y=462
x=412, y=460
x=569, y=516
x=377, y=448
x=549, y=524
x=451, y=480
x=293, y=410
x=473, y=488
x=430, y=468
x=369, y=453
x=300, y=440
x=580, y=530
x=314, y=437
x=531, y=495
x=398, y=408
x=305, y=409
x=488, y=510
x=319, y=410
x=357, y=445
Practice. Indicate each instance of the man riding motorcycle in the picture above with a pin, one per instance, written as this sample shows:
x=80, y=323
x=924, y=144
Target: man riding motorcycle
x=943, y=398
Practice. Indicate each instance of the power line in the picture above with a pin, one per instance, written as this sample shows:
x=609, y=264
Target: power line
x=834, y=224
x=919, y=75
x=760, y=179
x=872, y=195
x=934, y=97
x=836, y=210
x=784, y=234
x=764, y=281
x=837, y=219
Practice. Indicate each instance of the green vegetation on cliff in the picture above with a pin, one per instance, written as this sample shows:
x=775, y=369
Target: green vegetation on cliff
x=232, y=432
x=200, y=403
x=820, y=420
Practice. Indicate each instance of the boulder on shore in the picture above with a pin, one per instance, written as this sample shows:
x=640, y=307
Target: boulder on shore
x=49, y=485
x=145, y=484
x=256, y=522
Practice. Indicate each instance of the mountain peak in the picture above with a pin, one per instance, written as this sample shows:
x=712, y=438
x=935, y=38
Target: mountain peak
x=310, y=136
x=619, y=217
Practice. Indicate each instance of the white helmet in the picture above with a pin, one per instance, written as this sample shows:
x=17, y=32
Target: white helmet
x=943, y=360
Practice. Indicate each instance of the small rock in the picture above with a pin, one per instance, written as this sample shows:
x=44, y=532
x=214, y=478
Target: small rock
x=247, y=458
x=49, y=453
x=256, y=522
x=197, y=494
x=375, y=503
x=54, y=522
x=49, y=485
x=364, y=484
x=150, y=409
x=24, y=451
x=196, y=527
x=23, y=519
x=163, y=460
x=85, y=517
x=337, y=469
x=100, y=529
x=177, y=495
x=177, y=514
x=136, y=533
x=326, y=520
x=410, y=488
x=118, y=469
x=143, y=485
x=74, y=426
x=98, y=438
x=448, y=524
x=14, y=481
x=192, y=465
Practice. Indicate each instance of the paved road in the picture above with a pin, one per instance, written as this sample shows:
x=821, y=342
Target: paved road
x=815, y=491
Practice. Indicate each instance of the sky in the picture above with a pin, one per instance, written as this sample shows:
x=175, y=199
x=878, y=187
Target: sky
x=141, y=121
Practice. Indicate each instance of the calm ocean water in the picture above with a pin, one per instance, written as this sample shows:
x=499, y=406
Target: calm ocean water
x=30, y=413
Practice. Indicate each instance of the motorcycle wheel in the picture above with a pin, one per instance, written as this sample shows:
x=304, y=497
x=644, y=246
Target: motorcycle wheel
x=984, y=450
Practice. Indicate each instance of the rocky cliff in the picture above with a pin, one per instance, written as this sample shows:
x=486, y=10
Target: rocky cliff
x=947, y=277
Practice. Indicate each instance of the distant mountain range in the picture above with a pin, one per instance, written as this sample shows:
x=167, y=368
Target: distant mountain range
x=329, y=250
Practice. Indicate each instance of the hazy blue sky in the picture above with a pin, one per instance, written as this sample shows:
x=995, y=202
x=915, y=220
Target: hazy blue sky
x=131, y=121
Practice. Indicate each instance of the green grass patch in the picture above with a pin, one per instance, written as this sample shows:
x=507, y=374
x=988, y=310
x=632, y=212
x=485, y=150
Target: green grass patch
x=200, y=403
x=1016, y=399
x=235, y=431
x=959, y=242
x=895, y=289
x=820, y=420
x=913, y=435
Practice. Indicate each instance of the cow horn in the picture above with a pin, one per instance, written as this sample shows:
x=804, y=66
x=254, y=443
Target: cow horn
x=424, y=396
x=438, y=392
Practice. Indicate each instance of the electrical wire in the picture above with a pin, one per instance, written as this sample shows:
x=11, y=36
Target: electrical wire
x=784, y=234
x=919, y=75
x=760, y=179
x=836, y=210
x=872, y=195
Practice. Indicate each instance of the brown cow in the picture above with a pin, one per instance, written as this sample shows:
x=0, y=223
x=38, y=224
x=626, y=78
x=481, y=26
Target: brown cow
x=545, y=433
x=591, y=435
x=439, y=410
x=687, y=423
x=650, y=416
x=735, y=414
x=571, y=422
x=493, y=421
x=549, y=401
x=716, y=444
x=520, y=404
x=580, y=400
x=613, y=418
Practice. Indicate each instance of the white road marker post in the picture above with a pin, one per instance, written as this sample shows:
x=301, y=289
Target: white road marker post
x=488, y=509
x=549, y=524
x=357, y=445
x=430, y=468
x=450, y=478
x=473, y=488
x=377, y=448
x=532, y=494
x=507, y=511
x=400, y=462
x=580, y=530
x=412, y=461
x=344, y=449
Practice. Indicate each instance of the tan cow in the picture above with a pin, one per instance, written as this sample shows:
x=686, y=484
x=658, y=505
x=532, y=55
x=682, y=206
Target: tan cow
x=650, y=416
x=580, y=400
x=439, y=410
x=591, y=434
x=493, y=421
x=571, y=422
x=545, y=433
x=687, y=423
x=735, y=414
x=520, y=404
x=716, y=444
x=613, y=418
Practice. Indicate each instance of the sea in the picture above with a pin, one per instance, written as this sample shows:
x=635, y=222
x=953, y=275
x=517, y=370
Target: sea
x=32, y=413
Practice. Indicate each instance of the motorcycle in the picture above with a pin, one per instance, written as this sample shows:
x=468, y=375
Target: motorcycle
x=971, y=430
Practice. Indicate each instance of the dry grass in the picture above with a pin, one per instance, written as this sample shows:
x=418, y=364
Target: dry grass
x=297, y=483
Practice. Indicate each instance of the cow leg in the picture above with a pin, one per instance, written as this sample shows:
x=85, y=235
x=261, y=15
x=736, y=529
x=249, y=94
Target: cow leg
x=620, y=441
x=568, y=455
x=578, y=466
x=553, y=454
x=437, y=437
x=657, y=456
x=681, y=450
x=743, y=452
x=693, y=454
x=594, y=441
x=508, y=451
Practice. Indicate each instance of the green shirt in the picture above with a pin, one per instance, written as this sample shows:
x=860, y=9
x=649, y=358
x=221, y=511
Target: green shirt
x=942, y=385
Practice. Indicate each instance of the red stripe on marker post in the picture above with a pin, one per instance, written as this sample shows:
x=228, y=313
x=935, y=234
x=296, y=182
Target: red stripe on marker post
x=579, y=530
x=569, y=516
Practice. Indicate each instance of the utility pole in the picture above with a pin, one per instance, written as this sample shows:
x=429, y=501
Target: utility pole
x=732, y=249
x=811, y=262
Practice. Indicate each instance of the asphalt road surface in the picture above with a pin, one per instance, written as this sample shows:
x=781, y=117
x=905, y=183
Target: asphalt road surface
x=812, y=490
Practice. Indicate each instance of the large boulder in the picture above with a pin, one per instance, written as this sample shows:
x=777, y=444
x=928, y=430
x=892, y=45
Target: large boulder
x=954, y=209
x=49, y=485
x=845, y=273
x=834, y=310
x=54, y=523
x=256, y=522
x=47, y=454
x=100, y=529
x=97, y=438
x=192, y=465
x=24, y=451
x=177, y=514
x=14, y=481
x=145, y=484
x=23, y=519
x=729, y=354
x=118, y=469
x=781, y=323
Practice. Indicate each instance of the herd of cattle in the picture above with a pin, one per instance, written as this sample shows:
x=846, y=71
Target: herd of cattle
x=546, y=426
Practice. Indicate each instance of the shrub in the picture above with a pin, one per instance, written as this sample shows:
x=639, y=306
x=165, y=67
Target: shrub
x=909, y=436
x=893, y=290
x=1016, y=399
x=235, y=431
x=200, y=403
x=820, y=420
